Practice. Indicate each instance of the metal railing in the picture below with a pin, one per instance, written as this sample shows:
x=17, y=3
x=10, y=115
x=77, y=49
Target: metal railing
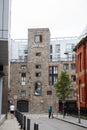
x=24, y=122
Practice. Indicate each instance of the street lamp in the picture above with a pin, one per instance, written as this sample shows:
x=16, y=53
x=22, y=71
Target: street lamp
x=78, y=65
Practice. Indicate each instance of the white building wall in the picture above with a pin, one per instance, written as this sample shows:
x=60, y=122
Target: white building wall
x=66, y=44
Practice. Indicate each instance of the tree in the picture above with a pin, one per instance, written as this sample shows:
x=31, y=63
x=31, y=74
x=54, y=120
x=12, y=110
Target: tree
x=63, y=86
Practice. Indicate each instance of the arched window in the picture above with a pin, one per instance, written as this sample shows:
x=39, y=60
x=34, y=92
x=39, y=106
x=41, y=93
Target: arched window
x=38, y=88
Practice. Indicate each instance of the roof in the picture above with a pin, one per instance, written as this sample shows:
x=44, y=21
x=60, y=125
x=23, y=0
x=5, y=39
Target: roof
x=83, y=41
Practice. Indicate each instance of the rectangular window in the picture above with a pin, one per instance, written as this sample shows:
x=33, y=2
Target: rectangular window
x=53, y=74
x=57, y=48
x=23, y=67
x=55, y=69
x=38, y=54
x=66, y=66
x=73, y=66
x=73, y=78
x=49, y=92
x=58, y=57
x=25, y=58
x=25, y=51
x=38, y=38
x=23, y=78
x=51, y=57
x=23, y=93
x=38, y=74
x=38, y=66
x=50, y=69
x=55, y=79
x=50, y=48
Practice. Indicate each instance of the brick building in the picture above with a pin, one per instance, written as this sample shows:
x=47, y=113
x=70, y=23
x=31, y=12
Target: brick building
x=81, y=72
x=32, y=80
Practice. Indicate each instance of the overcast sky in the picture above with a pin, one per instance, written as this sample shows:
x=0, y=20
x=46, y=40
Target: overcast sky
x=63, y=17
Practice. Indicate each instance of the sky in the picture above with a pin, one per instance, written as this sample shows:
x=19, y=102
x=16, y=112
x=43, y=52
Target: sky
x=64, y=18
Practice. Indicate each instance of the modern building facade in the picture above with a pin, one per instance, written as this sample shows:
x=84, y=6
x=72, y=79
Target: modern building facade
x=4, y=39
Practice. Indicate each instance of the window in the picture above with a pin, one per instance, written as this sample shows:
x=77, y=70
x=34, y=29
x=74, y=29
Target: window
x=50, y=69
x=25, y=51
x=38, y=87
x=23, y=67
x=73, y=66
x=25, y=58
x=53, y=74
x=55, y=69
x=23, y=78
x=58, y=57
x=50, y=48
x=23, y=93
x=73, y=78
x=55, y=79
x=38, y=38
x=38, y=66
x=66, y=66
x=49, y=92
x=38, y=54
x=38, y=74
x=57, y=48
x=51, y=57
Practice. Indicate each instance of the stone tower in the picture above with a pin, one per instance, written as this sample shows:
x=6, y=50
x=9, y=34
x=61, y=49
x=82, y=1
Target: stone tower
x=41, y=93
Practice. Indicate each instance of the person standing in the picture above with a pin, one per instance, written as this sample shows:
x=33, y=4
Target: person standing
x=12, y=110
x=49, y=111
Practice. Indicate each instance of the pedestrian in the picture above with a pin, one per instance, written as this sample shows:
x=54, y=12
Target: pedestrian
x=12, y=110
x=49, y=111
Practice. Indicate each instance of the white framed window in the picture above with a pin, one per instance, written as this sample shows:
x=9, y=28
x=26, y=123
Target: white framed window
x=55, y=69
x=23, y=78
x=38, y=38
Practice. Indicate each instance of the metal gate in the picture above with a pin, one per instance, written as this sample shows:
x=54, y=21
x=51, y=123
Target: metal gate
x=22, y=106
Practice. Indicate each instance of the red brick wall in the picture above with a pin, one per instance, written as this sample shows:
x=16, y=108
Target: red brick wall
x=81, y=63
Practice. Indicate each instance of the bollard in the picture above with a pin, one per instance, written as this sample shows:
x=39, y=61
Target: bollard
x=35, y=126
x=28, y=124
x=24, y=123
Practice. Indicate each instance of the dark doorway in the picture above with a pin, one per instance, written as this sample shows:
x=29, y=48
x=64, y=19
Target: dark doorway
x=22, y=106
